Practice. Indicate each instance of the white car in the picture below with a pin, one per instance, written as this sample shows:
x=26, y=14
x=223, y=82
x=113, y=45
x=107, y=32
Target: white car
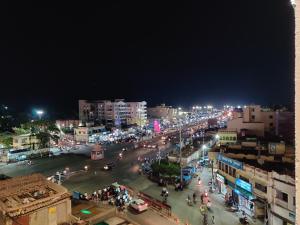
x=139, y=205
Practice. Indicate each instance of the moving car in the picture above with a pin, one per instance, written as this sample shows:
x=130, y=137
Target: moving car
x=138, y=205
x=108, y=166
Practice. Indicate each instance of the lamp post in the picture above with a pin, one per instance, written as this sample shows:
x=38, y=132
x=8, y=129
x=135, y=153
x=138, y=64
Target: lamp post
x=203, y=150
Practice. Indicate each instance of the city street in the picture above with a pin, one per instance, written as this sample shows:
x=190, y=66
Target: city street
x=191, y=214
x=125, y=172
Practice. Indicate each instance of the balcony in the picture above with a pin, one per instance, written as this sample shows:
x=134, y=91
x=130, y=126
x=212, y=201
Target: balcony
x=260, y=193
x=281, y=203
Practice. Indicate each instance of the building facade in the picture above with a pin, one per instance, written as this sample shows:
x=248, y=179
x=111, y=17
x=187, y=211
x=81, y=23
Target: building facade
x=115, y=113
x=285, y=125
x=269, y=195
x=82, y=134
x=26, y=141
x=162, y=112
x=69, y=124
x=227, y=137
x=253, y=121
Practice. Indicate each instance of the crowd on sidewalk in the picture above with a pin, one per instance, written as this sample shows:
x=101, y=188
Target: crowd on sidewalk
x=113, y=194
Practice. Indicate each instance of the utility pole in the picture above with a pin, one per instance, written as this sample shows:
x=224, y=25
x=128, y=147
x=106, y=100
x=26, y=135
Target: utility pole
x=180, y=152
x=212, y=172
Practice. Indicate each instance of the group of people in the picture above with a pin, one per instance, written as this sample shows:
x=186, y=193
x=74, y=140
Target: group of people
x=114, y=194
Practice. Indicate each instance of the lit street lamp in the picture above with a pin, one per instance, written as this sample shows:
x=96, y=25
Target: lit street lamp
x=40, y=113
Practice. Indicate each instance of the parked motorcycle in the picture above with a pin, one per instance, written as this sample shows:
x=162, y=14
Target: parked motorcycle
x=189, y=201
x=233, y=209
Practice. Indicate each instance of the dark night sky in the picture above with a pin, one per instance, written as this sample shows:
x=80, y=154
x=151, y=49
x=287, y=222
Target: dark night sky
x=180, y=53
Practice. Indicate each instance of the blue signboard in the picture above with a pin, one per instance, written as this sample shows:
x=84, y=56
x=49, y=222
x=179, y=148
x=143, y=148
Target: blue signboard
x=243, y=184
x=230, y=162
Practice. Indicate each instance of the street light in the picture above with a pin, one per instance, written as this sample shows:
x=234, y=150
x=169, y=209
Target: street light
x=203, y=150
x=40, y=113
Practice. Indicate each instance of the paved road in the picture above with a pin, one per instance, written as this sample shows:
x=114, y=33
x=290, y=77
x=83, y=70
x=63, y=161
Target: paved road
x=126, y=171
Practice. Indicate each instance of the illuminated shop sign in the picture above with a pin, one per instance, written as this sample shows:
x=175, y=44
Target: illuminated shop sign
x=230, y=162
x=243, y=184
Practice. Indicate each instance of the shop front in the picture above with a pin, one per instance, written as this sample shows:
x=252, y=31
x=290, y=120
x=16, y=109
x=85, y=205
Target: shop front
x=243, y=196
x=221, y=184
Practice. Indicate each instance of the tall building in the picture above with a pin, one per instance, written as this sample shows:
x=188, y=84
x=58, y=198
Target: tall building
x=113, y=113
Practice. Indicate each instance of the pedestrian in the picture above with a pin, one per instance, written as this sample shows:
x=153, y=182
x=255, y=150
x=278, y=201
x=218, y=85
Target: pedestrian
x=213, y=220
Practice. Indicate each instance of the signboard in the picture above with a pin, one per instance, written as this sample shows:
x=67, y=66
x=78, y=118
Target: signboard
x=156, y=126
x=220, y=178
x=230, y=162
x=244, y=185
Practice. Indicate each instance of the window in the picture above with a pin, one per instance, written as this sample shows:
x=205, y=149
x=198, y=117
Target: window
x=253, y=117
x=253, y=110
x=230, y=171
x=234, y=138
x=282, y=196
x=271, y=124
x=271, y=117
x=220, y=166
x=226, y=169
x=233, y=172
x=261, y=187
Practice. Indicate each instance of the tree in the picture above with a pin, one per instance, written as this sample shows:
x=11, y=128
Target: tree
x=20, y=131
x=6, y=140
x=44, y=138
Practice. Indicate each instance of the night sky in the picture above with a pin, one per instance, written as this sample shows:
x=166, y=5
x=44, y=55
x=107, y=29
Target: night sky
x=177, y=52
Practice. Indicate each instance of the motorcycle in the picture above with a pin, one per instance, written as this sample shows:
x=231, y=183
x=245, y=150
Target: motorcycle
x=244, y=220
x=189, y=202
x=233, y=209
x=208, y=205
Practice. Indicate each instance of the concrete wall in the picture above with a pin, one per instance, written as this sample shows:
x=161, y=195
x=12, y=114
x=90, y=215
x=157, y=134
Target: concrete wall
x=269, y=119
x=253, y=128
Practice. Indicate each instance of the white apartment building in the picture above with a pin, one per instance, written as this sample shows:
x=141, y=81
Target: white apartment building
x=115, y=113
x=283, y=203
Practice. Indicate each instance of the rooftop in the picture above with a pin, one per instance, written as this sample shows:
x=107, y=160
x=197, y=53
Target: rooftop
x=279, y=167
x=25, y=194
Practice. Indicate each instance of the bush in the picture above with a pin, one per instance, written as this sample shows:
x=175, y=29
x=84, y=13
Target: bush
x=165, y=168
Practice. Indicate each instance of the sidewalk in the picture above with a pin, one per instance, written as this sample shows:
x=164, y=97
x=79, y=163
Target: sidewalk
x=191, y=214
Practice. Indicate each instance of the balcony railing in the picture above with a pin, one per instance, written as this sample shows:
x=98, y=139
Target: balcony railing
x=281, y=203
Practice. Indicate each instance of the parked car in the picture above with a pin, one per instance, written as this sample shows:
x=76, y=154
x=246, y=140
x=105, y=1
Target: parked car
x=139, y=205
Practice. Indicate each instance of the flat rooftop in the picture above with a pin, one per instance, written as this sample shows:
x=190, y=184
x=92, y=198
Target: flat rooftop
x=279, y=167
x=21, y=195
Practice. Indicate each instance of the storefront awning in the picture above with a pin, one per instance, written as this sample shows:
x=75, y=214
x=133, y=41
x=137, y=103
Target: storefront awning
x=244, y=193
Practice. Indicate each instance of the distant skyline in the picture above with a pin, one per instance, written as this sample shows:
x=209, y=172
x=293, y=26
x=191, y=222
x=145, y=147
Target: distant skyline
x=180, y=54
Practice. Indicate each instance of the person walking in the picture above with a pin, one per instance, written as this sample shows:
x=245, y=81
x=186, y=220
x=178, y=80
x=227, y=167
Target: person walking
x=213, y=220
